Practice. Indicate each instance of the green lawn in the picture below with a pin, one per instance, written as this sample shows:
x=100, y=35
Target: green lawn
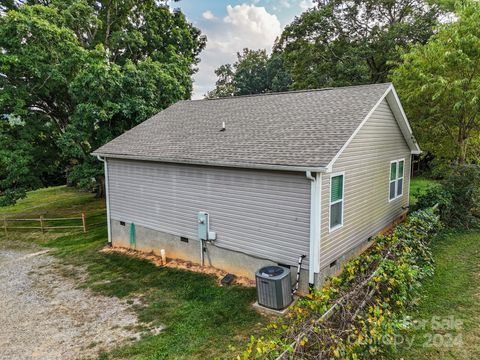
x=418, y=185
x=201, y=318
x=453, y=292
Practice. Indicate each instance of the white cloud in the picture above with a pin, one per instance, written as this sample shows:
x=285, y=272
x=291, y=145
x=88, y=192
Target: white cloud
x=306, y=4
x=252, y=24
x=208, y=15
x=244, y=26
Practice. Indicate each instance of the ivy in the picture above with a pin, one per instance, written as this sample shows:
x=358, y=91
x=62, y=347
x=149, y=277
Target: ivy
x=356, y=314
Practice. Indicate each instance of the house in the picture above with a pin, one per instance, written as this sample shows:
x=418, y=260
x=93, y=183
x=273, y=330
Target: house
x=314, y=173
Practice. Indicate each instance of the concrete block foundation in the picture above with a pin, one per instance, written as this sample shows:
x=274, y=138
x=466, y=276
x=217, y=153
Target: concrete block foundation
x=176, y=247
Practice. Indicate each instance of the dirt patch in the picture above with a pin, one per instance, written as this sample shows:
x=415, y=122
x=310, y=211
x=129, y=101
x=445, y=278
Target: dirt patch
x=179, y=264
x=45, y=316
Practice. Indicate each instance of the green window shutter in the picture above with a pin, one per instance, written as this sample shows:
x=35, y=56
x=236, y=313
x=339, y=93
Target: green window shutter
x=337, y=188
x=393, y=171
x=400, y=169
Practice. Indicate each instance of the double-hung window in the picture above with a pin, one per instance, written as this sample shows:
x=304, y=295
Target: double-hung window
x=336, y=201
x=395, y=188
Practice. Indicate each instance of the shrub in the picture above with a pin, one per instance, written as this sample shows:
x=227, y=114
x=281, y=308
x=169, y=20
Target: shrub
x=365, y=303
x=434, y=195
x=457, y=197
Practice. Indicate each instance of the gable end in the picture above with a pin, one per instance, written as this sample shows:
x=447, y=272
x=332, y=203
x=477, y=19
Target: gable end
x=393, y=101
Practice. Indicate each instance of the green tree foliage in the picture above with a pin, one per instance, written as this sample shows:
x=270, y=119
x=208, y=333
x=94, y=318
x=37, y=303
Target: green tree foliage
x=254, y=72
x=439, y=84
x=341, y=43
x=22, y=157
x=85, y=71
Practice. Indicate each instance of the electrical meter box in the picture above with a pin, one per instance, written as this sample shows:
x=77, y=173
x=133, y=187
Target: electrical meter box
x=202, y=218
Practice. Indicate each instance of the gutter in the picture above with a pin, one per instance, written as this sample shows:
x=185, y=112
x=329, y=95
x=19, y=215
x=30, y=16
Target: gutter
x=215, y=163
x=107, y=199
x=315, y=225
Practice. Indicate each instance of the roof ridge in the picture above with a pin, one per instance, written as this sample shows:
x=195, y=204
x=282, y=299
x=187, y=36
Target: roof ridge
x=289, y=92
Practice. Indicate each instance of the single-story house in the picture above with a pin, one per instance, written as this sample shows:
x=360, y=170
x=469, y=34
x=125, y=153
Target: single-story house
x=314, y=173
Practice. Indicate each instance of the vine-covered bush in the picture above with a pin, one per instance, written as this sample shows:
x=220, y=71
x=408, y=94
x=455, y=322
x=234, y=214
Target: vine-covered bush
x=357, y=314
x=457, y=197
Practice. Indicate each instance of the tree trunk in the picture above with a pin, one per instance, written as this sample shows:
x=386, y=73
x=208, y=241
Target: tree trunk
x=100, y=187
x=462, y=147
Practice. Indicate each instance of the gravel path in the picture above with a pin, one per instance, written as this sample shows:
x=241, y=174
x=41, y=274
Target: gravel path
x=44, y=316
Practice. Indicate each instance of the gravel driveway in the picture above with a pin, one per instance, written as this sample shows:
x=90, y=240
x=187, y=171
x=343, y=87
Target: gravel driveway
x=44, y=316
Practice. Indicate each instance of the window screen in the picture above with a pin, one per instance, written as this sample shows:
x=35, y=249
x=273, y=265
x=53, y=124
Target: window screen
x=336, y=201
x=395, y=188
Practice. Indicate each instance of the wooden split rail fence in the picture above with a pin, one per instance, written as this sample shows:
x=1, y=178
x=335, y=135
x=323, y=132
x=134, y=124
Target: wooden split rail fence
x=43, y=223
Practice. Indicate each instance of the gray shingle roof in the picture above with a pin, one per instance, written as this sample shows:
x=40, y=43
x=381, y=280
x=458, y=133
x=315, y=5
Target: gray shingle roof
x=303, y=129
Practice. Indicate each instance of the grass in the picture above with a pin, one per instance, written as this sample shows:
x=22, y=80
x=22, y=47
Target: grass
x=58, y=200
x=418, y=185
x=454, y=291
x=201, y=319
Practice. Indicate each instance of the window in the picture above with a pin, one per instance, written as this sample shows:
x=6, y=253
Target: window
x=395, y=186
x=336, y=201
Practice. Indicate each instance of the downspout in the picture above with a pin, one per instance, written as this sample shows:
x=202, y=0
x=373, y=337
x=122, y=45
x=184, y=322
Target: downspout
x=309, y=176
x=318, y=225
x=107, y=200
x=315, y=191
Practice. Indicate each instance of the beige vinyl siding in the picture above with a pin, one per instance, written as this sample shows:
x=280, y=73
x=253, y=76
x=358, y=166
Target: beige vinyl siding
x=262, y=213
x=366, y=166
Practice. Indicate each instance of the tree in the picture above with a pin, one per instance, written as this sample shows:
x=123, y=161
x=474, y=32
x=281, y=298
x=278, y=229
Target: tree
x=341, y=43
x=254, y=72
x=251, y=75
x=24, y=158
x=34, y=101
x=224, y=86
x=439, y=84
x=89, y=70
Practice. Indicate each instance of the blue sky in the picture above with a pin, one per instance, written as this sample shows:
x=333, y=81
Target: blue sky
x=233, y=25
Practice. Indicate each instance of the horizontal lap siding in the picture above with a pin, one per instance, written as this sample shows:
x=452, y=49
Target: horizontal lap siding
x=366, y=163
x=262, y=213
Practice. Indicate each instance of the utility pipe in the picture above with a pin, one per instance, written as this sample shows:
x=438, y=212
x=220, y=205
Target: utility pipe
x=299, y=269
x=315, y=218
x=107, y=199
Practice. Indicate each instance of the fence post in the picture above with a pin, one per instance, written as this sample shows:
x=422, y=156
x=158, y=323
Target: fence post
x=41, y=227
x=84, y=222
x=5, y=225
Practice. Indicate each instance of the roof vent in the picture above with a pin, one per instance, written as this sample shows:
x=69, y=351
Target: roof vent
x=223, y=126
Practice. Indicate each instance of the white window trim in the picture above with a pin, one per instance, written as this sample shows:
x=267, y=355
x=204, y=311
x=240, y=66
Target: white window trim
x=330, y=203
x=397, y=196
